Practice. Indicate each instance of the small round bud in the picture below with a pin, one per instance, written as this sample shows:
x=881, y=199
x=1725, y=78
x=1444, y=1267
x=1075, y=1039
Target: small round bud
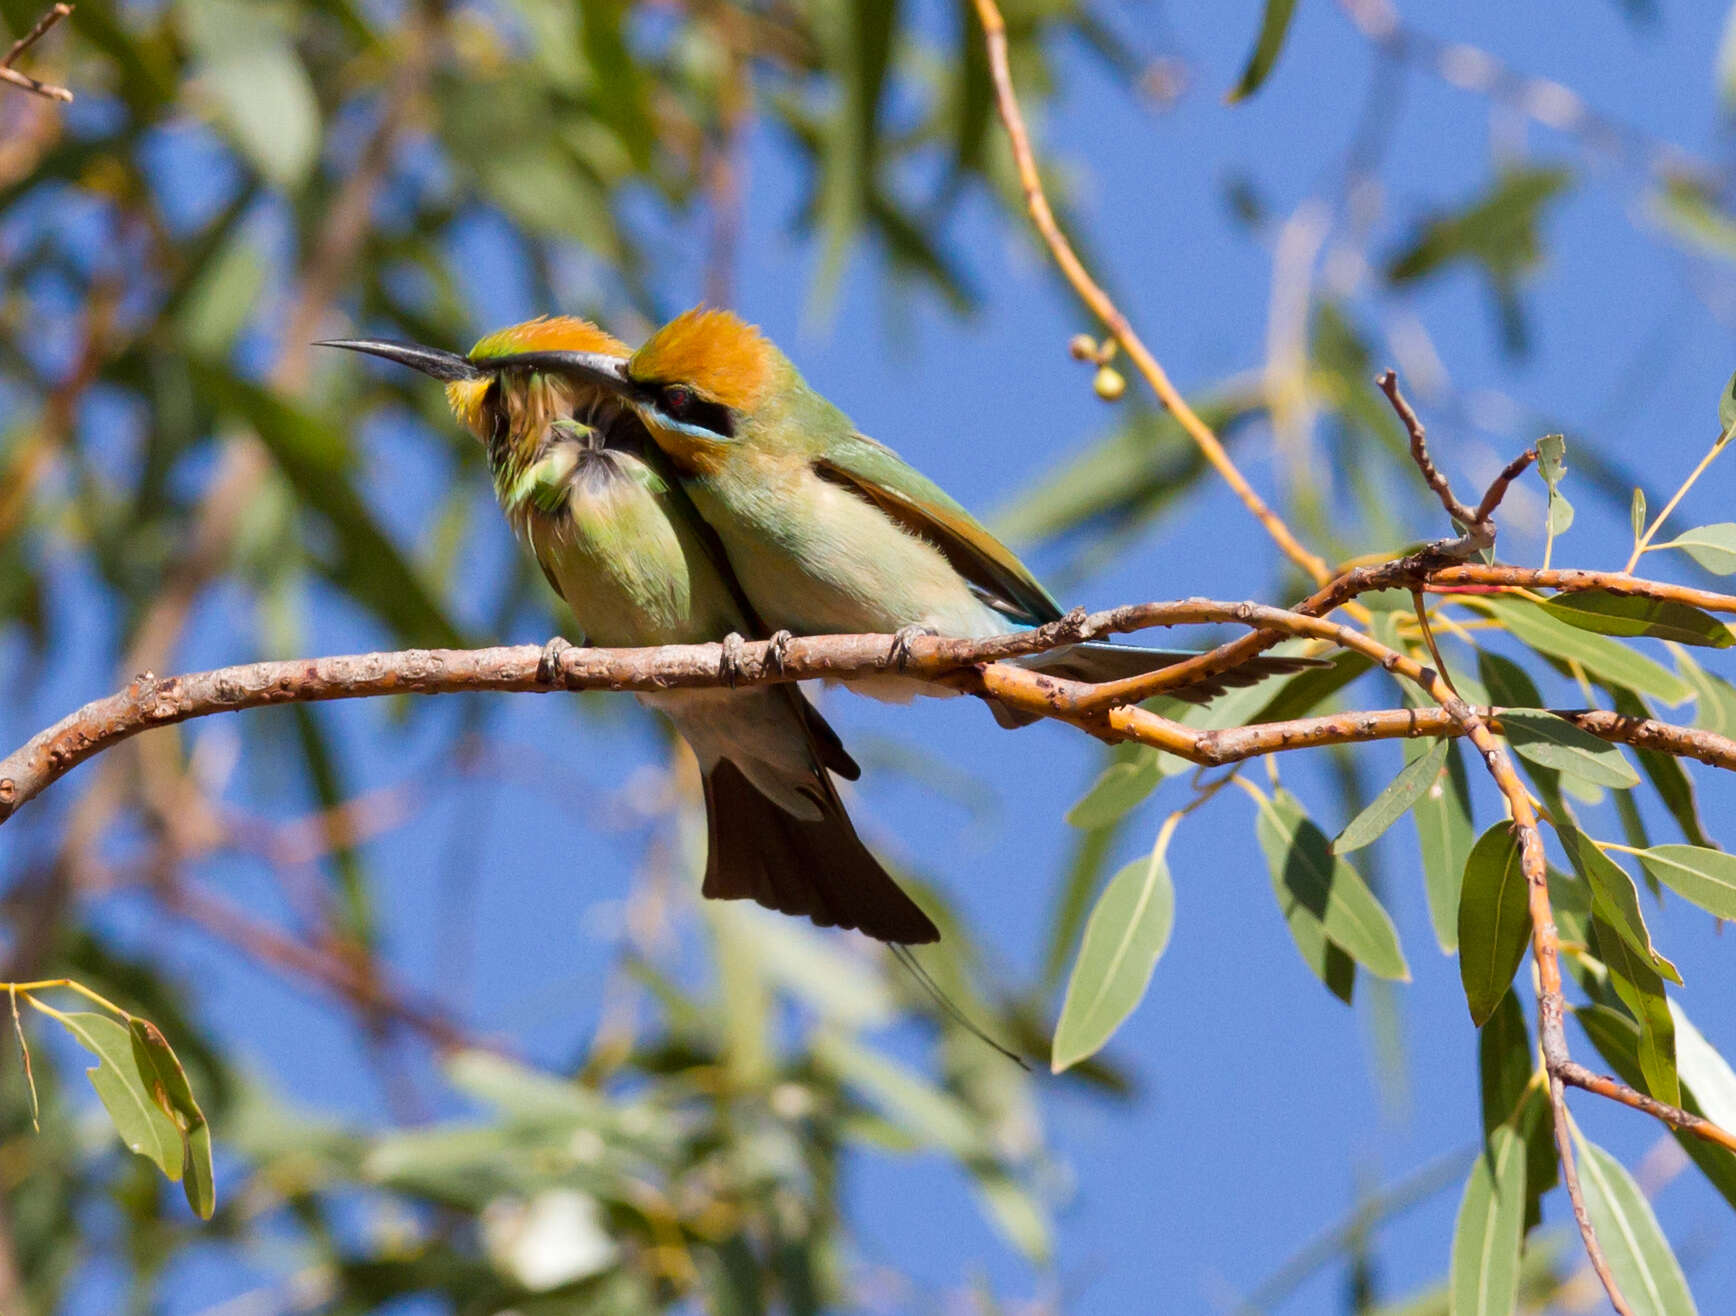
x=1082, y=347
x=1109, y=383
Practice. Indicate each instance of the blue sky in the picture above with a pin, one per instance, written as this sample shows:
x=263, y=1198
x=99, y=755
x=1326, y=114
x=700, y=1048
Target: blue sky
x=1261, y=1115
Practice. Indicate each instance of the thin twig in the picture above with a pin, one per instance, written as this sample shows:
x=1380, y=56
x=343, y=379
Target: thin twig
x=29, y=39
x=1576, y=1194
x=1419, y=448
x=1603, y=1085
x=1105, y=309
x=1498, y=486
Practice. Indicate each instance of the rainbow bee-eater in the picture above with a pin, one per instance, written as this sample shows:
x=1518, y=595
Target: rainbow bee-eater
x=599, y=506
x=828, y=530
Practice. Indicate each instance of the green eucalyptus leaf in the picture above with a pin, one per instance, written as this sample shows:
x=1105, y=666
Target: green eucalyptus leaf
x=1413, y=781
x=1706, y=877
x=1712, y=546
x=158, y=1064
x=1637, y=513
x=1127, y=932
x=1307, y=690
x=1639, y=1256
x=1602, y=657
x=1714, y=697
x=1627, y=615
x=1445, y=835
x=1322, y=897
x=1613, y=896
x=1556, y=743
x=1483, y=1275
x=1505, y=1063
x=1640, y=988
x=1552, y=459
x=1708, y=1087
x=1121, y=788
x=1668, y=777
x=127, y=1092
x=1494, y=920
x=1727, y=406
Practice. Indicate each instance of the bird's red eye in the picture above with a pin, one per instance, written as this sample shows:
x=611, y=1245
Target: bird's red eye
x=678, y=400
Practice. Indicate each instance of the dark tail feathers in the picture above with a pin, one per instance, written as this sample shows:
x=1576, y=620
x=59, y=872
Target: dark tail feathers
x=819, y=869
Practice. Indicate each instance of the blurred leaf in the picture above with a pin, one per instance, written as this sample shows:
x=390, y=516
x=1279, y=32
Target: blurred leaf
x=1324, y=900
x=1602, y=657
x=934, y=1116
x=1690, y=213
x=1727, y=407
x=1126, y=933
x=1631, y=614
x=1494, y=920
x=1484, y=1271
x=1413, y=781
x=222, y=297
x=1712, y=546
x=259, y=88
x=1498, y=233
x=1274, y=27
x=1127, y=477
x=1714, y=697
x=1557, y=743
x=1637, y=513
x=1639, y=1256
x=314, y=457
x=808, y=966
x=1121, y=788
x=859, y=37
x=621, y=95
x=1706, y=877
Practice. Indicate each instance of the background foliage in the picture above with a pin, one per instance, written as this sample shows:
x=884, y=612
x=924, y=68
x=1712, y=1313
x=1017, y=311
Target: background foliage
x=723, y=1111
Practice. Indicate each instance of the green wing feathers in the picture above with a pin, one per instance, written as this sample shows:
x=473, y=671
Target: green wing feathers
x=924, y=508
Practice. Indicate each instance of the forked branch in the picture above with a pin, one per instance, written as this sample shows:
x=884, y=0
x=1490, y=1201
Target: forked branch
x=23, y=80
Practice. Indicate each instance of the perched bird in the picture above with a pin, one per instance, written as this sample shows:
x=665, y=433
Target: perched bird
x=829, y=531
x=618, y=538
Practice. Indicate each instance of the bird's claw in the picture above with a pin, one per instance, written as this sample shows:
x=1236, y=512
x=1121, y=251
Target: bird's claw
x=899, y=652
x=729, y=659
x=548, y=667
x=778, y=650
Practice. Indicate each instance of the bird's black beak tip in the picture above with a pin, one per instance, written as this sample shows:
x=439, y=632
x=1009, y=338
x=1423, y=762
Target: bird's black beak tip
x=432, y=361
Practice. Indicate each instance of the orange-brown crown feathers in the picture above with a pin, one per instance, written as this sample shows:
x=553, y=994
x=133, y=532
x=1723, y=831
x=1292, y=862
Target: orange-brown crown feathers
x=714, y=352
x=546, y=333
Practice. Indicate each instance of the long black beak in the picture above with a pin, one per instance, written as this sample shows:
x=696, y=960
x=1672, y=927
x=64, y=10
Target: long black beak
x=446, y=366
x=598, y=368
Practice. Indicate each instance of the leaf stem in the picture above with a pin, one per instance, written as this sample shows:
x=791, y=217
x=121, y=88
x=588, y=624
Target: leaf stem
x=66, y=984
x=1643, y=543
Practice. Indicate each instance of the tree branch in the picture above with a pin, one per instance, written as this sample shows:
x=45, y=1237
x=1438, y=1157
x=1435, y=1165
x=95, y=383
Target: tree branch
x=1104, y=308
x=36, y=33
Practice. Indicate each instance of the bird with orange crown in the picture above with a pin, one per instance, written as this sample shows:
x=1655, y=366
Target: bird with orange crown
x=698, y=488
